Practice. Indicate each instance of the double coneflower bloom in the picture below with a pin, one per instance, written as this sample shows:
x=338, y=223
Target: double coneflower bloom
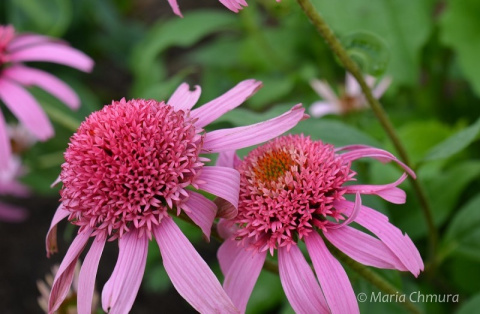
x=127, y=168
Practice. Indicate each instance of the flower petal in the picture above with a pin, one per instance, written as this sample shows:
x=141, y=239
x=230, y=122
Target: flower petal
x=221, y=181
x=234, y=5
x=56, y=52
x=242, y=276
x=10, y=213
x=26, y=109
x=175, y=8
x=202, y=211
x=364, y=248
x=352, y=88
x=228, y=101
x=401, y=245
x=88, y=272
x=381, y=87
x=299, y=283
x=240, y=137
x=324, y=90
x=321, y=108
x=64, y=276
x=51, y=240
x=28, y=76
x=183, y=98
x=5, y=150
x=227, y=253
x=228, y=159
x=389, y=192
x=333, y=279
x=189, y=273
x=24, y=40
x=121, y=289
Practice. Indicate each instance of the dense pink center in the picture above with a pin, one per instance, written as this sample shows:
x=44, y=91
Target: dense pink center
x=287, y=188
x=127, y=164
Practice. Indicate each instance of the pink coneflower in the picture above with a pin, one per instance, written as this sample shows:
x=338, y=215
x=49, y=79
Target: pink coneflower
x=131, y=164
x=351, y=100
x=14, y=76
x=292, y=189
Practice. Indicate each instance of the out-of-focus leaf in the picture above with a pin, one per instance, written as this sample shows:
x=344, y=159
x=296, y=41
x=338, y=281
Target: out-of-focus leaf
x=266, y=294
x=51, y=17
x=455, y=143
x=470, y=306
x=404, y=25
x=274, y=88
x=462, y=273
x=459, y=26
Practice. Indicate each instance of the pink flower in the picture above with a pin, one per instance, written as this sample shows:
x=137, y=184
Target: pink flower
x=292, y=189
x=131, y=164
x=14, y=76
x=352, y=100
x=233, y=5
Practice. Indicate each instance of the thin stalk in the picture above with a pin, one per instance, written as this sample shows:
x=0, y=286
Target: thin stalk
x=337, y=48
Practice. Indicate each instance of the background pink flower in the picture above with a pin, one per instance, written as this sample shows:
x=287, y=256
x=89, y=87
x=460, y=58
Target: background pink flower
x=127, y=167
x=292, y=189
x=14, y=76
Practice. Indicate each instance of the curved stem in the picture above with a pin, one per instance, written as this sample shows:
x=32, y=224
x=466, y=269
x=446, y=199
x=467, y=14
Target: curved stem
x=337, y=48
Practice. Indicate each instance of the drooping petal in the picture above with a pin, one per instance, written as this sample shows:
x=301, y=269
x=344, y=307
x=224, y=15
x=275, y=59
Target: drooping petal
x=221, y=181
x=26, y=109
x=51, y=240
x=225, y=209
x=121, y=289
x=202, y=211
x=228, y=159
x=334, y=281
x=323, y=89
x=14, y=188
x=228, y=101
x=234, y=5
x=389, y=192
x=10, y=213
x=226, y=228
x=189, y=273
x=227, y=253
x=64, y=276
x=299, y=283
x=321, y=108
x=364, y=248
x=88, y=273
x=381, y=87
x=53, y=52
x=352, y=88
x=24, y=40
x=352, y=216
x=401, y=245
x=240, y=137
x=5, y=149
x=183, y=98
x=242, y=276
x=175, y=8
x=28, y=76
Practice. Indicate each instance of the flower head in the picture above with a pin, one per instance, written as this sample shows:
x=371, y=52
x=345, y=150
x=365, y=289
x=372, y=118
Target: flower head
x=293, y=189
x=132, y=164
x=14, y=77
x=351, y=100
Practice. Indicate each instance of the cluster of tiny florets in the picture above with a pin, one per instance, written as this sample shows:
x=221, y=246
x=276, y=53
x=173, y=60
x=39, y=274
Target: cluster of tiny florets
x=127, y=164
x=287, y=188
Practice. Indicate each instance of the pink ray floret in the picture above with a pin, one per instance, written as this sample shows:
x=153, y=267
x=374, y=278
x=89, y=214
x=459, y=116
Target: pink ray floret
x=127, y=169
x=293, y=189
x=14, y=77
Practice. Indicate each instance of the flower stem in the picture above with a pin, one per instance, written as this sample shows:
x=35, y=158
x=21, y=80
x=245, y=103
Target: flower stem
x=326, y=32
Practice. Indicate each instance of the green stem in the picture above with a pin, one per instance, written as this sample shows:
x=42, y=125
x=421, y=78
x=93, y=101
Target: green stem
x=337, y=48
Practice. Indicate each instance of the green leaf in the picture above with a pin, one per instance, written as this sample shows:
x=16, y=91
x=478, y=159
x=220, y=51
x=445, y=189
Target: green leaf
x=470, y=306
x=455, y=143
x=404, y=25
x=459, y=27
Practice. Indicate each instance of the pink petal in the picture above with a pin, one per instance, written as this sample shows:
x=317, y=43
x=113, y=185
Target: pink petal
x=352, y=216
x=352, y=88
x=28, y=76
x=64, y=276
x=299, y=283
x=175, y=8
x=25, y=40
x=227, y=253
x=234, y=5
x=225, y=209
x=51, y=240
x=228, y=159
x=88, y=272
x=202, y=211
x=10, y=213
x=389, y=192
x=321, y=108
x=221, y=181
x=245, y=136
x=226, y=228
x=334, y=281
x=188, y=272
x=401, y=245
x=26, y=109
x=5, y=150
x=121, y=289
x=54, y=52
x=364, y=248
x=359, y=151
x=381, y=87
x=324, y=90
x=183, y=98
x=228, y=101
x=242, y=275
x=14, y=188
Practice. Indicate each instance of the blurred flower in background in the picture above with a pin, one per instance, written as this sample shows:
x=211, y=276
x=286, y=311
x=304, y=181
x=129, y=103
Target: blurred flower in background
x=14, y=76
x=351, y=100
x=290, y=189
x=234, y=5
